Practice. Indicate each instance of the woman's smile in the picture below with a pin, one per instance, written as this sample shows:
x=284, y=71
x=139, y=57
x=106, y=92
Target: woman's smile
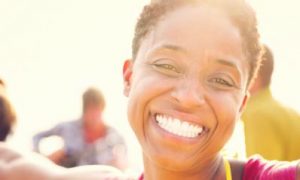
x=178, y=127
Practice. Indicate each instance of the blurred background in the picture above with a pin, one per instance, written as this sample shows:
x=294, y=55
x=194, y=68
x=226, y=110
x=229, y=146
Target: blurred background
x=52, y=50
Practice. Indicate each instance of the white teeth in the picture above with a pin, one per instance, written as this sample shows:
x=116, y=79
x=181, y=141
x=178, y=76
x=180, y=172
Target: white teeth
x=178, y=127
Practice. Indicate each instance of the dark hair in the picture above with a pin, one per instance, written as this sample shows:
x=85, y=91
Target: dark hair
x=7, y=115
x=267, y=65
x=240, y=13
x=94, y=97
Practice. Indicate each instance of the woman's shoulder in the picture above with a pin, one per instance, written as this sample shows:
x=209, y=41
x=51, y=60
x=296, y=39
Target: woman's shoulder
x=258, y=168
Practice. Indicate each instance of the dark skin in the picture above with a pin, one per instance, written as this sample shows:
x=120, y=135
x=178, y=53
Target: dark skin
x=237, y=169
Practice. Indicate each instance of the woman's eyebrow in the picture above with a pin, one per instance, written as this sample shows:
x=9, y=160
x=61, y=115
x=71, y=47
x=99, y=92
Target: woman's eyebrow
x=227, y=63
x=231, y=64
x=170, y=47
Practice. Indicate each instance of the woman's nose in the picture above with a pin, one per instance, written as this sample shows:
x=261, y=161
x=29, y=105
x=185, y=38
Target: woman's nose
x=189, y=93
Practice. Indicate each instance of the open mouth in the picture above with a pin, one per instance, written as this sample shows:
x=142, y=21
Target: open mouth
x=178, y=127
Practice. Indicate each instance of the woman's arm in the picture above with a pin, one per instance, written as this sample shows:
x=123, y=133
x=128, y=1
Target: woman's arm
x=15, y=166
x=30, y=170
x=93, y=172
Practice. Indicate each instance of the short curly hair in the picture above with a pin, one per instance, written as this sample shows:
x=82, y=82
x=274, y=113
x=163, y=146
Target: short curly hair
x=240, y=13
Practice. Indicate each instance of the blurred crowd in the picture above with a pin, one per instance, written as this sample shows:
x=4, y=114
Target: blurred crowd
x=87, y=140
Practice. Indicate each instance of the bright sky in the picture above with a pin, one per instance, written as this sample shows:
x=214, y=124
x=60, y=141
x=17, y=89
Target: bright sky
x=51, y=51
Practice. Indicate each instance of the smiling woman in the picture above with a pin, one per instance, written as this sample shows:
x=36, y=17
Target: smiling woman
x=186, y=69
x=187, y=83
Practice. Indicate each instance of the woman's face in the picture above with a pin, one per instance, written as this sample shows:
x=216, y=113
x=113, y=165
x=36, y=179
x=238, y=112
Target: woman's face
x=186, y=87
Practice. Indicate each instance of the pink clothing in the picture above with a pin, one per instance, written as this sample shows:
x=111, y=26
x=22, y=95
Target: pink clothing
x=141, y=177
x=258, y=169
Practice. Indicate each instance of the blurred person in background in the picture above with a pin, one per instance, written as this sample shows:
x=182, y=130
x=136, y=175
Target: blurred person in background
x=87, y=140
x=7, y=114
x=271, y=129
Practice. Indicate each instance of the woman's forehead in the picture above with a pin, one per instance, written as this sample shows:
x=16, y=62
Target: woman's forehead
x=202, y=28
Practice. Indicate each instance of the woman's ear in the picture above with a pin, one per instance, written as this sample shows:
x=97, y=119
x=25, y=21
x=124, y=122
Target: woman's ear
x=127, y=72
x=245, y=100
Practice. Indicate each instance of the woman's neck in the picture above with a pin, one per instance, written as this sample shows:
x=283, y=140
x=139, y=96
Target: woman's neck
x=209, y=169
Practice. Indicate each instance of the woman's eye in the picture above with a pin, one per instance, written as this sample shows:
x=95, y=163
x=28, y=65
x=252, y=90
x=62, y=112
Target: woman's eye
x=167, y=67
x=222, y=82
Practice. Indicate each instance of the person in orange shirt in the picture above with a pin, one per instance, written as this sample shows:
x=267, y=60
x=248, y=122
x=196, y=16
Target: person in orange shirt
x=87, y=140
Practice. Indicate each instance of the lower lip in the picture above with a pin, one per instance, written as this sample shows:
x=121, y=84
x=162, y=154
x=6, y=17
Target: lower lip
x=174, y=137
